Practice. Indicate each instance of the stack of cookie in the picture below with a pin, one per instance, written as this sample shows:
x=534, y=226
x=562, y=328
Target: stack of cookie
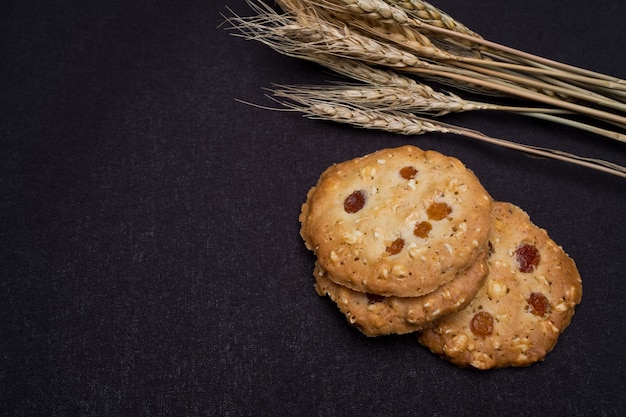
x=408, y=240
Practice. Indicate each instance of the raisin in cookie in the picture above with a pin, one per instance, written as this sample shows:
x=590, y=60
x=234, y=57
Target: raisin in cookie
x=528, y=299
x=397, y=222
x=375, y=315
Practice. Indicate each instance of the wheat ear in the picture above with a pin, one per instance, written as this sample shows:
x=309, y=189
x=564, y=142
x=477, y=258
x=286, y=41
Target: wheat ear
x=416, y=98
x=380, y=42
x=284, y=34
x=433, y=16
x=381, y=19
x=423, y=100
x=409, y=124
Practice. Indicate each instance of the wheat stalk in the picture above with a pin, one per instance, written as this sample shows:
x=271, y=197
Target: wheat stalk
x=499, y=51
x=382, y=86
x=431, y=16
x=416, y=98
x=410, y=124
x=421, y=99
x=419, y=17
x=285, y=35
x=383, y=20
x=386, y=44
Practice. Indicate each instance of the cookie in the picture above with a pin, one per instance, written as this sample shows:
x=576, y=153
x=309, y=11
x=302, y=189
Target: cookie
x=527, y=301
x=397, y=222
x=376, y=315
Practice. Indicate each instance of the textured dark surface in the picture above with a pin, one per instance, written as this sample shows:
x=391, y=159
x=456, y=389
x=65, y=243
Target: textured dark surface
x=150, y=262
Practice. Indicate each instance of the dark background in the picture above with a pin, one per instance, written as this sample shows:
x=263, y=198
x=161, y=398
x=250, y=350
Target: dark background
x=150, y=262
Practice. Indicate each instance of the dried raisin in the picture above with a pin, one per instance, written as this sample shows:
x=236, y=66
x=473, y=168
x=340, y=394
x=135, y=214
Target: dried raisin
x=408, y=172
x=527, y=257
x=438, y=211
x=539, y=304
x=482, y=324
x=354, y=202
x=422, y=229
x=395, y=247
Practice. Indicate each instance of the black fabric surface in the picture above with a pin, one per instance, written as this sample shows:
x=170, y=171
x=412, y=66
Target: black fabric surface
x=150, y=261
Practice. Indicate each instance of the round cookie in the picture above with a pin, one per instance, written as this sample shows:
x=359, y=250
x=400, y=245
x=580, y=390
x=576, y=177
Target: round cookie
x=375, y=315
x=528, y=299
x=397, y=222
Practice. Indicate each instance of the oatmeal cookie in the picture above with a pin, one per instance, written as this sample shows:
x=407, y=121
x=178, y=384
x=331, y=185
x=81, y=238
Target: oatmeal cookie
x=527, y=301
x=397, y=222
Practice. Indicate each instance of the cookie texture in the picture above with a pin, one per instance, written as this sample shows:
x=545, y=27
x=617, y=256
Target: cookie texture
x=376, y=315
x=398, y=222
x=528, y=299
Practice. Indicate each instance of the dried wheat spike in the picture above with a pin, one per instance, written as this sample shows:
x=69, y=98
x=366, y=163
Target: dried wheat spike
x=418, y=99
x=432, y=15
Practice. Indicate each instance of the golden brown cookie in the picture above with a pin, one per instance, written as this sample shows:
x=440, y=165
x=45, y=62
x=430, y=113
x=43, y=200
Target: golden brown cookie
x=376, y=315
x=397, y=222
x=528, y=299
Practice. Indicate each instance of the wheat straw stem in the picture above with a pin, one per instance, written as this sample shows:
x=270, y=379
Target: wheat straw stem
x=591, y=163
x=543, y=70
x=526, y=57
x=578, y=125
x=608, y=87
x=529, y=61
x=569, y=91
x=523, y=93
